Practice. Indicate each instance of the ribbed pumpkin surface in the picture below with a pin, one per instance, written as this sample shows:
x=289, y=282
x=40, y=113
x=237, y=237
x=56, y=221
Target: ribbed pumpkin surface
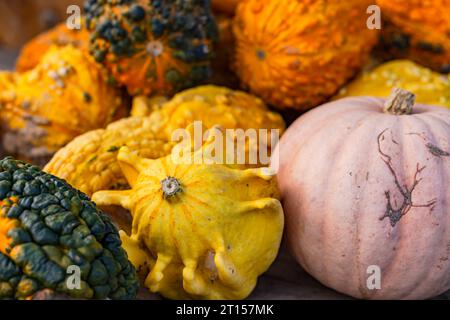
x=296, y=54
x=363, y=188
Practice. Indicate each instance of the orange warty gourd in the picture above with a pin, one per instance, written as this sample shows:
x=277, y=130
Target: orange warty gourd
x=153, y=47
x=64, y=96
x=296, y=54
x=59, y=36
x=364, y=184
x=418, y=30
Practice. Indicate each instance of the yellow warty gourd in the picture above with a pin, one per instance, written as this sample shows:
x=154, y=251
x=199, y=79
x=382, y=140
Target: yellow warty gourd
x=89, y=162
x=214, y=105
x=201, y=231
x=429, y=87
x=64, y=96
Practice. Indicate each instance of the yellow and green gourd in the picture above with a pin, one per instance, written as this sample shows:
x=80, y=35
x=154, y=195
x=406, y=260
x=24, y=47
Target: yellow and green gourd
x=48, y=230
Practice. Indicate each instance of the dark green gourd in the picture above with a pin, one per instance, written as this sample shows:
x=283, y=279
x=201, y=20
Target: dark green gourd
x=48, y=229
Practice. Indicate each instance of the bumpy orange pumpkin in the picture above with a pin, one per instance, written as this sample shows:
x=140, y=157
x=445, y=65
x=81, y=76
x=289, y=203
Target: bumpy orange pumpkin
x=365, y=189
x=296, y=54
x=418, y=30
x=153, y=46
x=45, y=108
x=60, y=35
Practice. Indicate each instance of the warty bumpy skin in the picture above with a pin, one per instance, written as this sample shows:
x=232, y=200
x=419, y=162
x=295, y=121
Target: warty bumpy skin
x=46, y=226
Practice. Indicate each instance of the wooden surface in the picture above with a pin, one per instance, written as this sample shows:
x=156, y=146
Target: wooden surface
x=285, y=280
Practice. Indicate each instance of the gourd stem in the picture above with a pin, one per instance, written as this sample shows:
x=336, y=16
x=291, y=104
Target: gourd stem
x=170, y=187
x=400, y=102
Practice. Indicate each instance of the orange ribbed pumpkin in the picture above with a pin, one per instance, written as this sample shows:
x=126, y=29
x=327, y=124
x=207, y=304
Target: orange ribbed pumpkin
x=418, y=30
x=362, y=189
x=296, y=54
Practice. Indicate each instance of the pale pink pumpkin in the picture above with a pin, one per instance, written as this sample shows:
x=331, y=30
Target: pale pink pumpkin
x=363, y=187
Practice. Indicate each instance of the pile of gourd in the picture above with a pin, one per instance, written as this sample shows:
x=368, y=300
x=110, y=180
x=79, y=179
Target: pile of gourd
x=356, y=183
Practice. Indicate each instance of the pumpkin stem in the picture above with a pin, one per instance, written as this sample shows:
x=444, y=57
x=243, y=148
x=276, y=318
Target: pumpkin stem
x=170, y=187
x=400, y=102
